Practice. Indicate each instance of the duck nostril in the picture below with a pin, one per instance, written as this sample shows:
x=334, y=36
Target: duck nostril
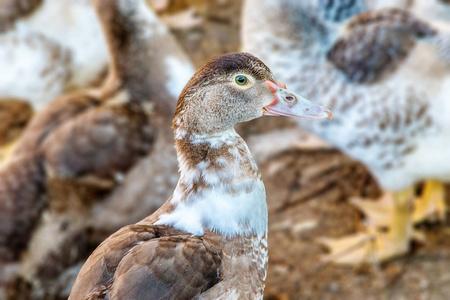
x=290, y=98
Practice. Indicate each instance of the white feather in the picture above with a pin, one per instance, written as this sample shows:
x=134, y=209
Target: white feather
x=180, y=72
x=235, y=208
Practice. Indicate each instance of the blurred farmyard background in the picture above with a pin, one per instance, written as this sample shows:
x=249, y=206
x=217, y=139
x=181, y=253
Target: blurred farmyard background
x=77, y=163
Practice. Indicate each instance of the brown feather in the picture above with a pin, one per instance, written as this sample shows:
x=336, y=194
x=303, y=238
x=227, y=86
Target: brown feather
x=103, y=141
x=11, y=10
x=166, y=263
x=21, y=184
x=377, y=42
x=101, y=266
x=15, y=114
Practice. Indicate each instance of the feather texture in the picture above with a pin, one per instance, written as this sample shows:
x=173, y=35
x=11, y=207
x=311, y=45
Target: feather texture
x=212, y=240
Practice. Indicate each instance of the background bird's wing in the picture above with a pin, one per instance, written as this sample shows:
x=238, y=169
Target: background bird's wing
x=149, y=262
x=23, y=186
x=100, y=142
x=384, y=132
x=52, y=116
x=21, y=204
x=376, y=42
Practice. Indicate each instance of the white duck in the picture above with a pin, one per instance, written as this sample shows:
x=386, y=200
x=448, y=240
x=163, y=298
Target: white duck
x=386, y=76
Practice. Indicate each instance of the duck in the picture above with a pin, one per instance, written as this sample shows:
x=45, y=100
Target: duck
x=385, y=75
x=209, y=240
x=79, y=150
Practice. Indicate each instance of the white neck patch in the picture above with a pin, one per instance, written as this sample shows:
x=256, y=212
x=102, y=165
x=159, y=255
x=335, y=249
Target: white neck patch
x=233, y=200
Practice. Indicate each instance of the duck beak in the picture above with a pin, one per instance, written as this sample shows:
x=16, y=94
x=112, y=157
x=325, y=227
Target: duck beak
x=290, y=104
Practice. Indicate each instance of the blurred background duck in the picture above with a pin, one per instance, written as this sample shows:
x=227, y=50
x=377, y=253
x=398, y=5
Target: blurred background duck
x=385, y=76
x=49, y=47
x=82, y=148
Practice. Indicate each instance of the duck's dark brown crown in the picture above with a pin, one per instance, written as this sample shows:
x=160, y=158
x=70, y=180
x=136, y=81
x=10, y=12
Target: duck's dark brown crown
x=234, y=62
x=219, y=69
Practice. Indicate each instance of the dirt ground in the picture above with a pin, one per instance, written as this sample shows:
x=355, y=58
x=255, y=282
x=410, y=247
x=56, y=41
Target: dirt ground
x=308, y=192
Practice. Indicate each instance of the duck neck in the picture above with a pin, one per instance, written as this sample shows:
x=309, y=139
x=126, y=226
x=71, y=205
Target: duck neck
x=145, y=59
x=120, y=21
x=220, y=188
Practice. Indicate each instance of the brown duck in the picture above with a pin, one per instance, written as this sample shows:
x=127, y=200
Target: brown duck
x=209, y=240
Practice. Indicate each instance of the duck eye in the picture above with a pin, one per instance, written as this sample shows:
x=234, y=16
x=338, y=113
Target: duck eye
x=241, y=80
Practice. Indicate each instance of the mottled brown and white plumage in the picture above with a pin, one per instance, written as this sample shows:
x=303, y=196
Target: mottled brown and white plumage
x=382, y=72
x=209, y=240
x=86, y=145
x=49, y=47
x=385, y=74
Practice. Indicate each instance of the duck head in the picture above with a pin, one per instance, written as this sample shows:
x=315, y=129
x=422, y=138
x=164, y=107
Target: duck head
x=234, y=88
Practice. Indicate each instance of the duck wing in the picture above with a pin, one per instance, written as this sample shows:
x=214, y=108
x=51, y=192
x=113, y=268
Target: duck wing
x=46, y=121
x=376, y=42
x=21, y=184
x=149, y=262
